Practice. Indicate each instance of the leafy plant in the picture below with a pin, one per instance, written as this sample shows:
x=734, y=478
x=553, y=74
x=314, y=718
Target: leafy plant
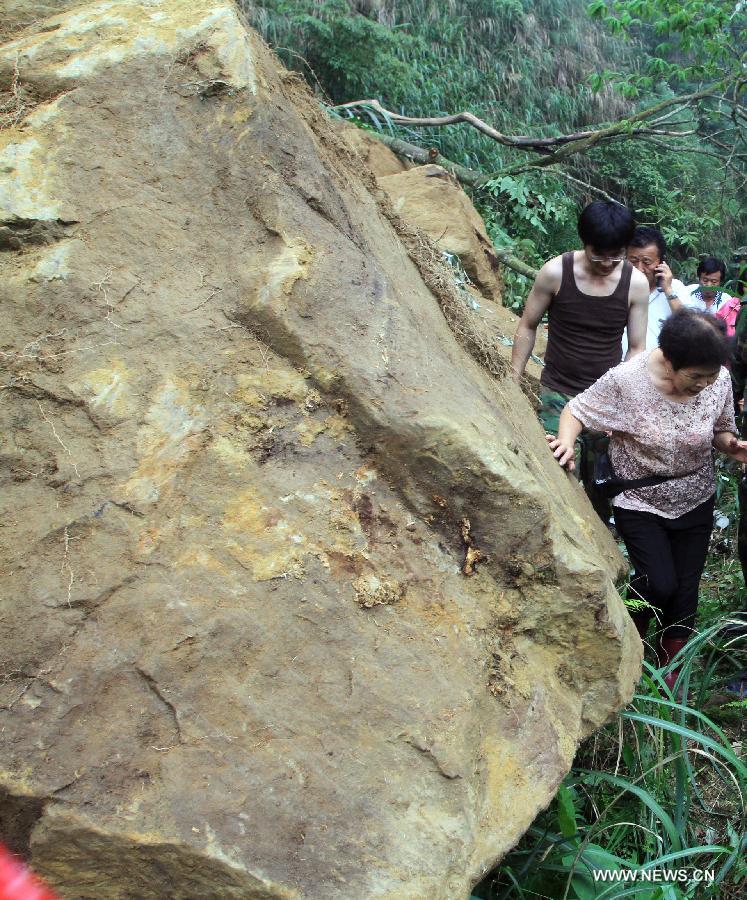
x=687, y=40
x=636, y=800
x=662, y=787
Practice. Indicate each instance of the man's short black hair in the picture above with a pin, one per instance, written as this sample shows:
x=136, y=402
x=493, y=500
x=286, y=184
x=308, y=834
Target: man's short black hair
x=691, y=338
x=709, y=265
x=606, y=225
x=648, y=234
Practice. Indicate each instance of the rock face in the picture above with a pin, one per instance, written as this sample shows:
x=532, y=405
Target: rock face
x=429, y=197
x=377, y=156
x=22, y=14
x=245, y=458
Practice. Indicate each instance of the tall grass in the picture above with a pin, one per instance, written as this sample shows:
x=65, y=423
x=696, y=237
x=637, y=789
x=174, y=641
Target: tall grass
x=519, y=63
x=664, y=787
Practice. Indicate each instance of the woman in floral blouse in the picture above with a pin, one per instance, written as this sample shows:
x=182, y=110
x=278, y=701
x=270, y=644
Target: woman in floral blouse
x=666, y=410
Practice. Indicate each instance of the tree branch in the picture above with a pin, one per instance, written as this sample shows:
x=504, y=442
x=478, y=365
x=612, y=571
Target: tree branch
x=426, y=155
x=699, y=150
x=622, y=127
x=584, y=184
x=508, y=259
x=470, y=177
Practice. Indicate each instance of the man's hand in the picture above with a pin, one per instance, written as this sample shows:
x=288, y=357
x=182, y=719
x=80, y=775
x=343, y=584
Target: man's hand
x=727, y=443
x=663, y=272
x=564, y=454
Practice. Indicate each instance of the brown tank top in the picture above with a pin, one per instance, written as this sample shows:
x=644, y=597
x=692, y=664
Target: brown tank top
x=585, y=332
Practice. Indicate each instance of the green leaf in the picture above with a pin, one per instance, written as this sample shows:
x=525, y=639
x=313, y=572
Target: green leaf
x=675, y=838
x=596, y=9
x=722, y=748
x=566, y=812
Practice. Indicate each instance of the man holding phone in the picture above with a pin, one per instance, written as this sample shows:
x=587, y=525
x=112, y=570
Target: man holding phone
x=647, y=253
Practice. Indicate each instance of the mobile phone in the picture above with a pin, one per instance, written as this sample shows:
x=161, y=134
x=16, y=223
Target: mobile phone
x=660, y=278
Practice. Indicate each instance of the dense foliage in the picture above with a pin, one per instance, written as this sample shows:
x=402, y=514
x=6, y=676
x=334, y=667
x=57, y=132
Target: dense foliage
x=686, y=40
x=540, y=67
x=428, y=57
x=662, y=787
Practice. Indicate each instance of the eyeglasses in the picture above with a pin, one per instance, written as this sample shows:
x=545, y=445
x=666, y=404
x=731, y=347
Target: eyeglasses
x=709, y=379
x=607, y=259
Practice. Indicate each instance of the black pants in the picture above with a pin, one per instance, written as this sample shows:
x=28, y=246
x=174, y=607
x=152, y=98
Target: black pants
x=668, y=556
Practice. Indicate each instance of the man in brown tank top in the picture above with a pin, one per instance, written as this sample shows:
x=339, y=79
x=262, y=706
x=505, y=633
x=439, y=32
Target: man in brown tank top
x=590, y=297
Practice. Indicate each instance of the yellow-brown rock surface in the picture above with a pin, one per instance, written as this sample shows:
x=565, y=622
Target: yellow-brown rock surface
x=431, y=200
x=377, y=156
x=429, y=197
x=240, y=446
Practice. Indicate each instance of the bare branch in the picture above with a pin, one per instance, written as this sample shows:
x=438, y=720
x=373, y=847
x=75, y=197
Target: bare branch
x=672, y=112
x=623, y=127
x=665, y=132
x=437, y=121
x=470, y=177
x=699, y=150
x=508, y=259
x=682, y=148
x=584, y=184
x=426, y=155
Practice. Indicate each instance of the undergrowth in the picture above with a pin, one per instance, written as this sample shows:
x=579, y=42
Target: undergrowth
x=663, y=788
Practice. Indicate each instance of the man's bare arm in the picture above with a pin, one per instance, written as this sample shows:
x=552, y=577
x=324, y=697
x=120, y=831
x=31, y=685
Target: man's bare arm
x=543, y=290
x=637, y=314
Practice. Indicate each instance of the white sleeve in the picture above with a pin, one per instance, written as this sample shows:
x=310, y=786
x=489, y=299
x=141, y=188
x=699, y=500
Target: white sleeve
x=687, y=295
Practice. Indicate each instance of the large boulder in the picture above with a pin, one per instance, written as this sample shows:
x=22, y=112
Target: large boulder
x=376, y=155
x=22, y=14
x=247, y=467
x=429, y=197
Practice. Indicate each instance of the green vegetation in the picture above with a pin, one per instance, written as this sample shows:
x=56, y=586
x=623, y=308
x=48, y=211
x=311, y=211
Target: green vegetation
x=664, y=787
x=522, y=64
x=547, y=68
x=660, y=789
x=686, y=40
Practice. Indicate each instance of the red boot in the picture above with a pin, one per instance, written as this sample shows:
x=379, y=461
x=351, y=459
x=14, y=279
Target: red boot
x=641, y=622
x=669, y=647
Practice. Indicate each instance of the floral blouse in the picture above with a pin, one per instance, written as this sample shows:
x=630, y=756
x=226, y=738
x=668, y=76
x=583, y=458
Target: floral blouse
x=652, y=435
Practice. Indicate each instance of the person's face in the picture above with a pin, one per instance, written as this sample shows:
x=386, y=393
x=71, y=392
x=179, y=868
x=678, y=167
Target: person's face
x=693, y=379
x=604, y=262
x=645, y=259
x=709, y=283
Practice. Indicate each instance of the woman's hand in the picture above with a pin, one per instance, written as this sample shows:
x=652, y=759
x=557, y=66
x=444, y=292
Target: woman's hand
x=565, y=454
